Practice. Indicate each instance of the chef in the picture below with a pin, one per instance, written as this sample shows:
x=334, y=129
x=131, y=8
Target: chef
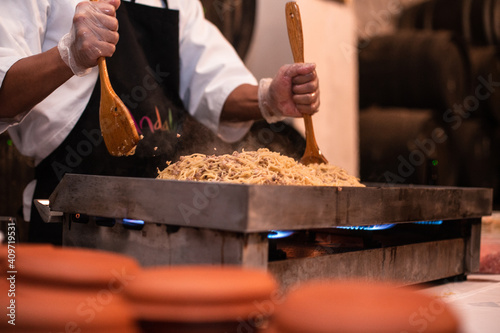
x=173, y=69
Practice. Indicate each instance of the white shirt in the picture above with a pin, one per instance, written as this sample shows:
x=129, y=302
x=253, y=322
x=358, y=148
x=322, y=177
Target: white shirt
x=210, y=71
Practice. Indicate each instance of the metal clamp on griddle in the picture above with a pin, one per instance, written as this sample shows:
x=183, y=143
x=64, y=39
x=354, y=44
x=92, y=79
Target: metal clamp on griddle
x=47, y=215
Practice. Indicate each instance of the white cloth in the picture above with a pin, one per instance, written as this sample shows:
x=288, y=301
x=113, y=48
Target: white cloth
x=210, y=71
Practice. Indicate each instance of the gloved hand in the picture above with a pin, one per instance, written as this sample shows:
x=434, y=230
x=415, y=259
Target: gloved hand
x=294, y=91
x=94, y=34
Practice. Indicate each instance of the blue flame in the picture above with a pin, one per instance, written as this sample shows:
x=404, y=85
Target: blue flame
x=368, y=227
x=430, y=222
x=132, y=222
x=275, y=234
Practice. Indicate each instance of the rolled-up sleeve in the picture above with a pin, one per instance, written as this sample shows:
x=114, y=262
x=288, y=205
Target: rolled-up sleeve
x=210, y=70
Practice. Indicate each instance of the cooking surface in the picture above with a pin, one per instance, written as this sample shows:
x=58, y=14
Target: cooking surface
x=259, y=208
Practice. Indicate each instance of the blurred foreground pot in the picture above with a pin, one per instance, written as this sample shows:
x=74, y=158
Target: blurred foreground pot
x=202, y=299
x=51, y=289
x=360, y=307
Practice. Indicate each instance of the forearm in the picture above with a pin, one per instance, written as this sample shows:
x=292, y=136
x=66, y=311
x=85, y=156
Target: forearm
x=242, y=104
x=30, y=80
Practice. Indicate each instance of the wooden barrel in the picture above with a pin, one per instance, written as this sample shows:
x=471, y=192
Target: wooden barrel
x=414, y=17
x=16, y=171
x=484, y=97
x=496, y=168
x=450, y=15
x=413, y=69
x=477, y=21
x=480, y=29
x=495, y=20
x=472, y=143
x=235, y=19
x=402, y=146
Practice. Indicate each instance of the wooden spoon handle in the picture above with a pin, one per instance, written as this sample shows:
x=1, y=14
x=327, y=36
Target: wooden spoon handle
x=294, y=27
x=103, y=70
x=296, y=37
x=103, y=74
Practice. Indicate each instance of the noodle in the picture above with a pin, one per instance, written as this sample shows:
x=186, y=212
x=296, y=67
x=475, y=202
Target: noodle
x=256, y=167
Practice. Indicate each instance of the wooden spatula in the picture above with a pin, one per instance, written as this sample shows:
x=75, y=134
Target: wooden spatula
x=117, y=126
x=294, y=25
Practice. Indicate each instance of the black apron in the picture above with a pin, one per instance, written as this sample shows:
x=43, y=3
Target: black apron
x=144, y=72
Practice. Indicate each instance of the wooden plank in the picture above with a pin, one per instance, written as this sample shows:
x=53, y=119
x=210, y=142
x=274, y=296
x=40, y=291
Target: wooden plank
x=160, y=245
x=191, y=204
x=403, y=265
x=472, y=237
x=302, y=208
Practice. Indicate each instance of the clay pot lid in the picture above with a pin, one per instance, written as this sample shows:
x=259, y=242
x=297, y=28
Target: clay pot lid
x=200, y=293
x=63, y=310
x=359, y=307
x=43, y=264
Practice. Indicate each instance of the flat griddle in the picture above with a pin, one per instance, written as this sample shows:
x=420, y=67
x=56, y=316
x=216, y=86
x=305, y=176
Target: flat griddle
x=259, y=208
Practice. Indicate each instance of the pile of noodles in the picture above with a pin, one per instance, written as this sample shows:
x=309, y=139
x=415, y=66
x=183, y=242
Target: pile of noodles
x=256, y=167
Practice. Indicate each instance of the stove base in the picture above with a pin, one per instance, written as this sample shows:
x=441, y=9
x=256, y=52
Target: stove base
x=404, y=264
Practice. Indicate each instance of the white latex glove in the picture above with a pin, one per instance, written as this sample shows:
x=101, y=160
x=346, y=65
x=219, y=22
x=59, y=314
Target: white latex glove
x=94, y=34
x=293, y=92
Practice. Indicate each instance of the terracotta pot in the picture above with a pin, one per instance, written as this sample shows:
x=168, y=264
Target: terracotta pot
x=71, y=267
x=38, y=310
x=360, y=307
x=67, y=289
x=203, y=299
